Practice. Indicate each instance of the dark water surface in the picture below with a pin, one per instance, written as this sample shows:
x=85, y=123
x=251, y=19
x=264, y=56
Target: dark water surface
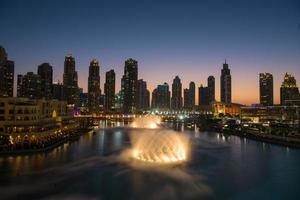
x=90, y=168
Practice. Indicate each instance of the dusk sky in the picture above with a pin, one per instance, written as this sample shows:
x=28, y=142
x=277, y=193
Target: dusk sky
x=168, y=38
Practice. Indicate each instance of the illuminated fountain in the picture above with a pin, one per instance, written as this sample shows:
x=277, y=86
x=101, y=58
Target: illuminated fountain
x=151, y=122
x=160, y=147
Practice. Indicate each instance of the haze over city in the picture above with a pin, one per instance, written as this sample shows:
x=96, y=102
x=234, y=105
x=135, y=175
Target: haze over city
x=190, y=39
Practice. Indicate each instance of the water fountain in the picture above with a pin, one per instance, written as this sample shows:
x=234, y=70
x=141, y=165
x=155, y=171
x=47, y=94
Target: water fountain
x=157, y=146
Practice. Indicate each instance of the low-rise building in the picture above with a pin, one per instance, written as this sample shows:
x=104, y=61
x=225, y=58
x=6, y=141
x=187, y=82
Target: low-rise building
x=23, y=115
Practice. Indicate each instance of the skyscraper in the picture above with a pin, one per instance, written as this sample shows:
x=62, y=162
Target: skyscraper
x=6, y=74
x=186, y=98
x=57, y=91
x=225, y=84
x=266, y=89
x=70, y=81
x=109, y=90
x=143, y=96
x=176, y=100
x=29, y=85
x=45, y=72
x=211, y=88
x=203, y=99
x=94, y=87
x=161, y=97
x=192, y=93
x=130, y=78
x=289, y=92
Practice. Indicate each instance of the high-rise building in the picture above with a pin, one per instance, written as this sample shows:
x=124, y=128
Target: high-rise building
x=45, y=72
x=192, y=93
x=289, y=92
x=176, y=100
x=161, y=97
x=203, y=99
x=211, y=88
x=94, y=87
x=225, y=84
x=57, y=91
x=186, y=98
x=266, y=89
x=6, y=74
x=109, y=90
x=29, y=85
x=130, y=78
x=70, y=81
x=143, y=96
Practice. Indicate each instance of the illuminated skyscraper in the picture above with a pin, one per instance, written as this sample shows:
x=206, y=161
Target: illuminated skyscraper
x=45, y=72
x=109, y=90
x=143, y=96
x=186, y=98
x=225, y=84
x=203, y=98
x=94, y=87
x=266, y=89
x=211, y=88
x=161, y=97
x=192, y=93
x=6, y=74
x=29, y=85
x=70, y=81
x=289, y=92
x=129, y=79
x=176, y=100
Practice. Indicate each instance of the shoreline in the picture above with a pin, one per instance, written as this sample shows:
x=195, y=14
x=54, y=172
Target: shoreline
x=45, y=149
x=286, y=142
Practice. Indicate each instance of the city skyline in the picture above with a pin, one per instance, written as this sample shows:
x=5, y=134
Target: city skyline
x=193, y=45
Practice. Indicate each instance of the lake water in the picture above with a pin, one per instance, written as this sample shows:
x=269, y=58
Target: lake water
x=220, y=167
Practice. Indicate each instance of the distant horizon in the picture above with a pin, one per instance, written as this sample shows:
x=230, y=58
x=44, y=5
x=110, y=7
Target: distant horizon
x=168, y=38
x=198, y=84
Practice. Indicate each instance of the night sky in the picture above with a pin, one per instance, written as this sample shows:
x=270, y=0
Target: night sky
x=168, y=38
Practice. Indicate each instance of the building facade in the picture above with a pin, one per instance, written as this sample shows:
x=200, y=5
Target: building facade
x=266, y=95
x=211, y=88
x=6, y=75
x=130, y=78
x=45, y=72
x=176, y=100
x=161, y=97
x=289, y=92
x=29, y=85
x=109, y=90
x=192, y=95
x=94, y=87
x=143, y=96
x=225, y=84
x=24, y=115
x=70, y=81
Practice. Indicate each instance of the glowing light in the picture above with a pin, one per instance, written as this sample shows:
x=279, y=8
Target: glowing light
x=160, y=148
x=150, y=122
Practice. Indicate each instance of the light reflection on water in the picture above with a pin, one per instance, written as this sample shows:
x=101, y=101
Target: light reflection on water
x=225, y=166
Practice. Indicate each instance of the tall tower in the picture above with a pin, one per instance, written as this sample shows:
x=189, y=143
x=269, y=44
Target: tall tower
x=45, y=72
x=143, y=96
x=211, y=88
x=192, y=93
x=6, y=74
x=70, y=81
x=176, y=100
x=29, y=85
x=225, y=84
x=94, y=87
x=109, y=90
x=130, y=78
x=266, y=89
x=289, y=92
x=161, y=97
x=186, y=98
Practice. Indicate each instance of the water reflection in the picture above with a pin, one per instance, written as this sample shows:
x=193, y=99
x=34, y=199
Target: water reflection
x=220, y=167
